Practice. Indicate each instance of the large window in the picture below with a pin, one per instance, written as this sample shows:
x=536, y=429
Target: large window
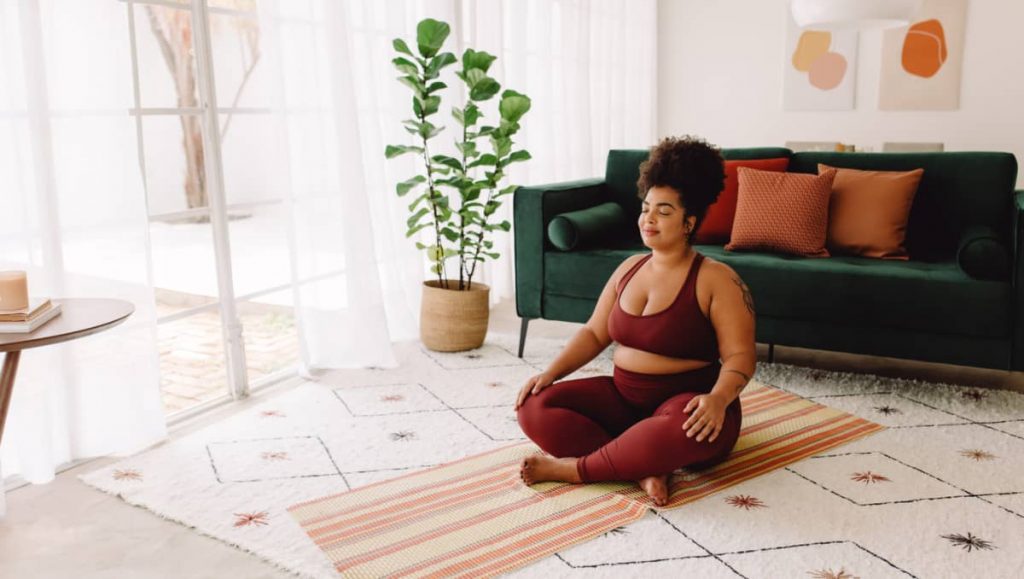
x=218, y=218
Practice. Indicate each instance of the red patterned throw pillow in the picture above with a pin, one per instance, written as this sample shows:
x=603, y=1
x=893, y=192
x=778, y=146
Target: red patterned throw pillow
x=782, y=212
x=717, y=224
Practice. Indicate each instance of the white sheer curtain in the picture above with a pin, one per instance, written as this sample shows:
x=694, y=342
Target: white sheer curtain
x=72, y=214
x=588, y=66
x=73, y=204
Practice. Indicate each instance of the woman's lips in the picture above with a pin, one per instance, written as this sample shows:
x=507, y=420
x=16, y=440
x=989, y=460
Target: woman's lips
x=650, y=231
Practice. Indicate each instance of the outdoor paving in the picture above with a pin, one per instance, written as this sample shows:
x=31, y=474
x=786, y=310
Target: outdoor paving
x=192, y=363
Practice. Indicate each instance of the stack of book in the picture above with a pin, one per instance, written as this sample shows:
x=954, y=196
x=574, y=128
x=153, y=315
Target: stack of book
x=38, y=312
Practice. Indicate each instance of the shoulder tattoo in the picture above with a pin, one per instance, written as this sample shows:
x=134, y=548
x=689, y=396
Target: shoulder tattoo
x=748, y=298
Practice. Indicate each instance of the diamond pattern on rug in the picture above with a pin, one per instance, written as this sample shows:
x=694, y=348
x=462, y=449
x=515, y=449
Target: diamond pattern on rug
x=803, y=529
x=271, y=458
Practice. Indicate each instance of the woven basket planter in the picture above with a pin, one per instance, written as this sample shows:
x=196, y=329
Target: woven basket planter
x=452, y=320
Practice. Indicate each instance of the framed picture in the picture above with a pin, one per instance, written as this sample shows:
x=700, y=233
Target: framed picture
x=820, y=69
x=921, y=63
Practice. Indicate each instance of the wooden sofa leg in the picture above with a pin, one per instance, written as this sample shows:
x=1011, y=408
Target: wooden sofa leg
x=522, y=334
x=771, y=353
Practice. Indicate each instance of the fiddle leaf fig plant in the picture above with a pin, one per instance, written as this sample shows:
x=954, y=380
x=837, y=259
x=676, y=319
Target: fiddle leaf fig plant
x=476, y=173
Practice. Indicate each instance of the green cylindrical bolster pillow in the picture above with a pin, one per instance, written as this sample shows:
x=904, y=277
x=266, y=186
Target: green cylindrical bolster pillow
x=576, y=229
x=982, y=255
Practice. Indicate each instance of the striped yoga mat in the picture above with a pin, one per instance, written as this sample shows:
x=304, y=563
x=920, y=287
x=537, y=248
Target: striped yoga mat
x=475, y=518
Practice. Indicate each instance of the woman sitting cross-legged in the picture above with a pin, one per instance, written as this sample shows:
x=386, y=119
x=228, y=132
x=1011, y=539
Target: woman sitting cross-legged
x=684, y=328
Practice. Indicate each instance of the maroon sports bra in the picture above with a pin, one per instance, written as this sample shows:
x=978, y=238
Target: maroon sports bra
x=679, y=331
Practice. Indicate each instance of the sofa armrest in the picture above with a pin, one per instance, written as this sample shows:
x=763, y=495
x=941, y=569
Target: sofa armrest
x=533, y=209
x=1017, y=279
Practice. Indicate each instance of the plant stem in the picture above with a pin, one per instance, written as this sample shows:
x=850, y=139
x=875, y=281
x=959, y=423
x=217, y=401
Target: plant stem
x=433, y=205
x=497, y=169
x=462, y=218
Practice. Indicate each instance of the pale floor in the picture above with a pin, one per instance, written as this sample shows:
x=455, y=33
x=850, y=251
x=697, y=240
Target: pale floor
x=65, y=528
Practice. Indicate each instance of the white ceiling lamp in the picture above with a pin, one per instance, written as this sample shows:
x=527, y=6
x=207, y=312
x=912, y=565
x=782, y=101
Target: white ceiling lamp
x=854, y=14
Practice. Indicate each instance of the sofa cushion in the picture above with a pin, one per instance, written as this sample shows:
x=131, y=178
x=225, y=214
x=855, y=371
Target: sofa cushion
x=784, y=212
x=958, y=189
x=623, y=171
x=911, y=295
x=586, y=227
x=857, y=291
x=982, y=255
x=869, y=210
x=717, y=224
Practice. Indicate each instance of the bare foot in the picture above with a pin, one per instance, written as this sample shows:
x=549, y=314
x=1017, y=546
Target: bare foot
x=540, y=468
x=657, y=488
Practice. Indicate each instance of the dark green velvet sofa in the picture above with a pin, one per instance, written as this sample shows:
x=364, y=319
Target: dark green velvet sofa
x=927, y=308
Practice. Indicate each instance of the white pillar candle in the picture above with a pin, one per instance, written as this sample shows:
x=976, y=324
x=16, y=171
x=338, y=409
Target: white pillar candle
x=13, y=291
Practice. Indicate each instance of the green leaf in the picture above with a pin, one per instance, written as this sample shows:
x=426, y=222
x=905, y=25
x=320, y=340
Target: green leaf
x=479, y=60
x=502, y=146
x=405, y=66
x=468, y=149
x=413, y=83
x=519, y=156
x=473, y=76
x=505, y=225
x=484, y=89
x=419, y=227
x=413, y=205
x=407, y=185
x=437, y=63
x=513, y=105
x=392, y=151
x=485, y=159
x=447, y=161
x=430, y=132
x=472, y=114
x=416, y=217
x=436, y=268
x=457, y=114
x=436, y=86
x=401, y=46
x=450, y=233
x=430, y=36
x=430, y=104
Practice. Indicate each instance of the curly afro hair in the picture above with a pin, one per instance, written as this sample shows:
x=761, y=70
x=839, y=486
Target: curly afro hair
x=690, y=166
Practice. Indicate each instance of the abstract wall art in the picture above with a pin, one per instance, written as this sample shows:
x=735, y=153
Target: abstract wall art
x=921, y=63
x=820, y=69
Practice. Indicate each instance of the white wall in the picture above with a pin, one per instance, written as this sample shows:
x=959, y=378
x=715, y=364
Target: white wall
x=720, y=69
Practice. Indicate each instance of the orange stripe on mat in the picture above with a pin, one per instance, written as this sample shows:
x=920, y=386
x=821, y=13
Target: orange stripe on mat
x=434, y=533
x=452, y=522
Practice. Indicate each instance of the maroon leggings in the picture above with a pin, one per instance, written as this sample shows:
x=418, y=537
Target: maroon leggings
x=627, y=426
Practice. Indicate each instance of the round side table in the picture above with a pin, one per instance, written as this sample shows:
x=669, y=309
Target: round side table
x=79, y=317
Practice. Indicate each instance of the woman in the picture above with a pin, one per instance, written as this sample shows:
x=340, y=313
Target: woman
x=684, y=325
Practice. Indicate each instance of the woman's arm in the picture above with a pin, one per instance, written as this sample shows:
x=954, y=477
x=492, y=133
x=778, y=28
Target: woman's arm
x=592, y=338
x=732, y=314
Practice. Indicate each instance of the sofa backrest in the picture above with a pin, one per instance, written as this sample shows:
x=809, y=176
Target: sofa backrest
x=957, y=189
x=623, y=171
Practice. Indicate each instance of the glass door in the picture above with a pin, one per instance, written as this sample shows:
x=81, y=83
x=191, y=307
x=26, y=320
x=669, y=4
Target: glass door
x=218, y=228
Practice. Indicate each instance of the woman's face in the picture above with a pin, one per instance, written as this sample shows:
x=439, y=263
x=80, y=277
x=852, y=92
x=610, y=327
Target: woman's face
x=663, y=221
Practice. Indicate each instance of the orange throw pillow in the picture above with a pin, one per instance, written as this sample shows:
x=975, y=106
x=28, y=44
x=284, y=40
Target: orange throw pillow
x=717, y=225
x=869, y=211
x=782, y=212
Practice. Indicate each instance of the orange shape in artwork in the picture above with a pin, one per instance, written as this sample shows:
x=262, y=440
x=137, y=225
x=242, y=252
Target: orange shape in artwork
x=812, y=45
x=924, y=48
x=827, y=71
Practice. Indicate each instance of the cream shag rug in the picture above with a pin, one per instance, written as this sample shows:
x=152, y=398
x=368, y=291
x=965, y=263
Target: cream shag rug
x=939, y=493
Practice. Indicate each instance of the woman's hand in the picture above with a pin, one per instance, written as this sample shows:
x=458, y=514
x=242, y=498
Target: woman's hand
x=708, y=414
x=533, y=386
